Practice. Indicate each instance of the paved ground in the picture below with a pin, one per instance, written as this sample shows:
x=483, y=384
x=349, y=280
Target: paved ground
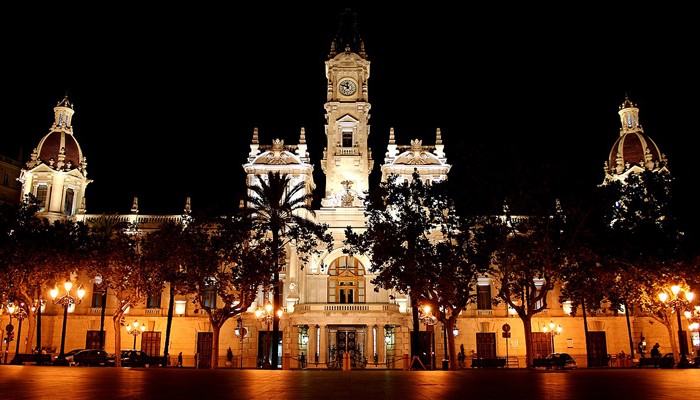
x=104, y=383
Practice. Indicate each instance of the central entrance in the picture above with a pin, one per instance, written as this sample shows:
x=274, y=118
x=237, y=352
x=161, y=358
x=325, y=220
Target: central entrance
x=347, y=340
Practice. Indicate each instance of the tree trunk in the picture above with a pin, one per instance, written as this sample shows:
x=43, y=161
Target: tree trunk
x=169, y=323
x=116, y=319
x=275, y=300
x=629, y=329
x=216, y=329
x=416, y=347
x=38, y=321
x=449, y=327
x=673, y=337
x=527, y=327
x=585, y=331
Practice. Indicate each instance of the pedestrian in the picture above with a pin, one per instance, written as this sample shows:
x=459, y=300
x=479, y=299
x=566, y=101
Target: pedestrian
x=179, y=360
x=656, y=351
x=642, y=347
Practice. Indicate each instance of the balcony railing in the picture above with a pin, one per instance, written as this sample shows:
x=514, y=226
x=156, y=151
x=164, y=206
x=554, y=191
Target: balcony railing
x=347, y=151
x=369, y=307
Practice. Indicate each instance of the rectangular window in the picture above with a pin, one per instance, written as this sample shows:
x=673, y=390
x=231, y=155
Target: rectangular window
x=96, y=297
x=209, y=297
x=538, y=284
x=153, y=301
x=41, y=193
x=483, y=297
x=68, y=204
x=347, y=139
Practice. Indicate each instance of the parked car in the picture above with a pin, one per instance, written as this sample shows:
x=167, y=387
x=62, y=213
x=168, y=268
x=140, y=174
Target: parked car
x=90, y=357
x=560, y=360
x=69, y=356
x=137, y=358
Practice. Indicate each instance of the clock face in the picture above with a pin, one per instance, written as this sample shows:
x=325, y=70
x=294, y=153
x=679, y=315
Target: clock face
x=347, y=87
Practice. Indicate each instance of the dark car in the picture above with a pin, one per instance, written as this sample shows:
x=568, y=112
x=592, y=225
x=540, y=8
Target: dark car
x=69, y=356
x=137, y=358
x=91, y=357
x=561, y=360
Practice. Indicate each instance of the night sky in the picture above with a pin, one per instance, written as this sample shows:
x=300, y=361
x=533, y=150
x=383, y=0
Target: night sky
x=166, y=99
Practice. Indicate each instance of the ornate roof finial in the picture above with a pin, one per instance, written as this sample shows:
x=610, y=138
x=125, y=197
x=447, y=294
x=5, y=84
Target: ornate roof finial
x=188, y=205
x=135, y=206
x=438, y=137
x=302, y=136
x=392, y=139
x=255, y=135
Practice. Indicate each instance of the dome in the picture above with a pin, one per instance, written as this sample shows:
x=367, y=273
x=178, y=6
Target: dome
x=633, y=149
x=59, y=149
x=57, y=144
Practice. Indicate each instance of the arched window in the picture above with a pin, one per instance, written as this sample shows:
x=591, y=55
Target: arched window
x=346, y=282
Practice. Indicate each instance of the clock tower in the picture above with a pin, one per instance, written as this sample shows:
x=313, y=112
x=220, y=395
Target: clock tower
x=347, y=159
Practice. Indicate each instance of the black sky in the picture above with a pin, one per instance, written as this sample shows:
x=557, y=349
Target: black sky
x=166, y=98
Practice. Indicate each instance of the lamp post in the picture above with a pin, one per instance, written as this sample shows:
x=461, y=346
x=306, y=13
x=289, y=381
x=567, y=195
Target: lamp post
x=240, y=332
x=9, y=328
x=65, y=301
x=678, y=305
x=426, y=316
x=267, y=317
x=136, y=330
x=554, y=330
x=20, y=313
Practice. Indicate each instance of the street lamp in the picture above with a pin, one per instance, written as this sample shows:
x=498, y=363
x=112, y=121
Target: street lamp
x=65, y=301
x=426, y=316
x=135, y=330
x=554, y=330
x=678, y=305
x=266, y=316
x=20, y=313
x=9, y=328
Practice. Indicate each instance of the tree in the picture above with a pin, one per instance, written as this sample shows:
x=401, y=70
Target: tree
x=223, y=263
x=35, y=255
x=397, y=238
x=164, y=250
x=460, y=255
x=421, y=247
x=116, y=258
x=528, y=264
x=282, y=209
x=646, y=242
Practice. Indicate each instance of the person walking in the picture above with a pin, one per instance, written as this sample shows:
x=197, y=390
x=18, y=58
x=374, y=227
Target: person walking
x=179, y=360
